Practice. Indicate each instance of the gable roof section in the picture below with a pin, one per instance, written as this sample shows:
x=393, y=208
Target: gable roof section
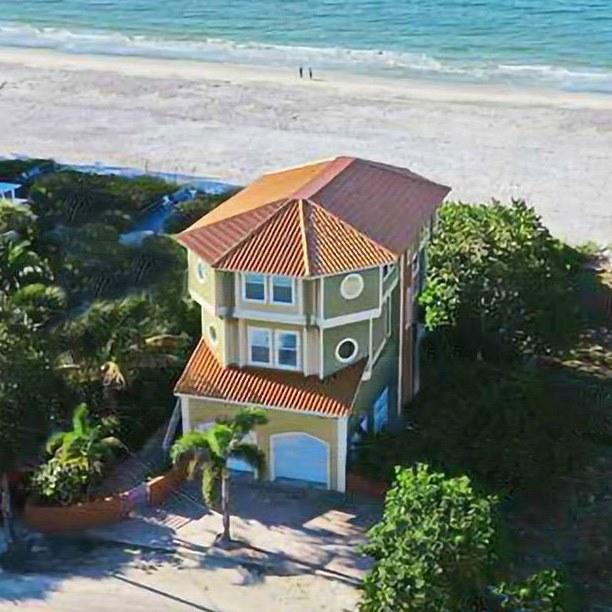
x=333, y=396
x=322, y=218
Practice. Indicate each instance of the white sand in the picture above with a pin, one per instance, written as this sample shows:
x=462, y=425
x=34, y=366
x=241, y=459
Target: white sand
x=234, y=122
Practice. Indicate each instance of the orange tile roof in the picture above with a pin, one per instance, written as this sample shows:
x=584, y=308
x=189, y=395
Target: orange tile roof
x=333, y=396
x=322, y=218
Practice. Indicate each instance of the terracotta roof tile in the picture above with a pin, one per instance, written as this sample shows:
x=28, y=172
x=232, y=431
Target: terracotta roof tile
x=333, y=396
x=322, y=218
x=254, y=254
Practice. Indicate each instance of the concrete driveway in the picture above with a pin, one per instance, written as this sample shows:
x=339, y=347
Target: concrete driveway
x=287, y=530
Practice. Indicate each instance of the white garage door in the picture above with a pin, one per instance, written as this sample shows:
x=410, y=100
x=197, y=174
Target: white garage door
x=299, y=456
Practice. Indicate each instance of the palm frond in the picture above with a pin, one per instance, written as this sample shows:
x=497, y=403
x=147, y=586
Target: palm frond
x=54, y=442
x=247, y=419
x=189, y=443
x=219, y=438
x=79, y=419
x=254, y=456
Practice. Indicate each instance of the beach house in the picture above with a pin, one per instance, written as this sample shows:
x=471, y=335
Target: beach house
x=307, y=281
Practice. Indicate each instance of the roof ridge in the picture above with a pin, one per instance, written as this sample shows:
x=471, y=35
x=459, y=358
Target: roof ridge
x=352, y=227
x=304, y=193
x=401, y=171
x=284, y=204
x=304, y=237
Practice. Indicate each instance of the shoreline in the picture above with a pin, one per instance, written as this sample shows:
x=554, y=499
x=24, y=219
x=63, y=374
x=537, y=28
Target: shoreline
x=401, y=87
x=234, y=122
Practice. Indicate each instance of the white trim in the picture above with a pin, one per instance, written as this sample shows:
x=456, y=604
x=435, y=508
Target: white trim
x=393, y=285
x=272, y=317
x=352, y=318
x=255, y=405
x=352, y=357
x=301, y=304
x=352, y=276
x=321, y=354
x=214, y=341
x=185, y=413
x=268, y=331
x=206, y=306
x=306, y=365
x=244, y=284
x=341, y=453
x=300, y=433
x=321, y=315
x=298, y=348
x=202, y=278
x=243, y=342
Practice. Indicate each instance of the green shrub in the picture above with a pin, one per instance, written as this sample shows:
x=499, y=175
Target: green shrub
x=506, y=428
x=73, y=198
x=435, y=547
x=497, y=275
x=60, y=483
x=541, y=592
x=186, y=213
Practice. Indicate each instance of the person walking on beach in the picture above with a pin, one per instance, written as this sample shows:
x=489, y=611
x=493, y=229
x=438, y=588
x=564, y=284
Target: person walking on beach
x=310, y=72
x=301, y=72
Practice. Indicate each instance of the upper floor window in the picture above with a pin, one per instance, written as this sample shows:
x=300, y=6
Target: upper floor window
x=282, y=290
x=287, y=347
x=255, y=287
x=259, y=345
x=201, y=271
x=280, y=349
x=273, y=289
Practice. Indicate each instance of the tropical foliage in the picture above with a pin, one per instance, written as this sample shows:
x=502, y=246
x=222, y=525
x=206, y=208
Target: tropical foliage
x=507, y=428
x=211, y=449
x=78, y=459
x=498, y=283
x=435, y=547
x=188, y=212
x=544, y=591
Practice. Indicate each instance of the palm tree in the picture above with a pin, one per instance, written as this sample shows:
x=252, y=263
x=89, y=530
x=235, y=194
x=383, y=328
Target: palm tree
x=90, y=443
x=20, y=266
x=211, y=450
x=113, y=340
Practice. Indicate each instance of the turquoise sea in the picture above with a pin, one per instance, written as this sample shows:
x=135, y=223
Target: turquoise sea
x=563, y=44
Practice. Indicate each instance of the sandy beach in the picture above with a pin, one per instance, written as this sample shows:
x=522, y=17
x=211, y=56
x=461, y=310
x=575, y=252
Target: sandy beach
x=235, y=122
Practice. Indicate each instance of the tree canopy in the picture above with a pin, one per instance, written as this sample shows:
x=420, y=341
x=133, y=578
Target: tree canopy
x=434, y=548
x=499, y=282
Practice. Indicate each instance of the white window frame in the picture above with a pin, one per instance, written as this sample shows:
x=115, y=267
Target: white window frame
x=348, y=278
x=281, y=366
x=250, y=331
x=201, y=271
x=244, y=288
x=293, y=289
x=388, y=270
x=355, y=352
x=268, y=287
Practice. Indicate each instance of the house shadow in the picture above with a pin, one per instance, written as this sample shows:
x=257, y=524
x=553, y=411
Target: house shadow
x=288, y=530
x=42, y=563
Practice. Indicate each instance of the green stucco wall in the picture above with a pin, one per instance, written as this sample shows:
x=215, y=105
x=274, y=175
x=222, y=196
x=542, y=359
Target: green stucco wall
x=360, y=332
x=334, y=305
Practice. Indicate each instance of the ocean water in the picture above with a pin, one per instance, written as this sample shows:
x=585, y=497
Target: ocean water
x=561, y=44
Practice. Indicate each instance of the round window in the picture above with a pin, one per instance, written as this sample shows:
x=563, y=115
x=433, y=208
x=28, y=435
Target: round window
x=346, y=350
x=351, y=286
x=212, y=334
x=201, y=271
